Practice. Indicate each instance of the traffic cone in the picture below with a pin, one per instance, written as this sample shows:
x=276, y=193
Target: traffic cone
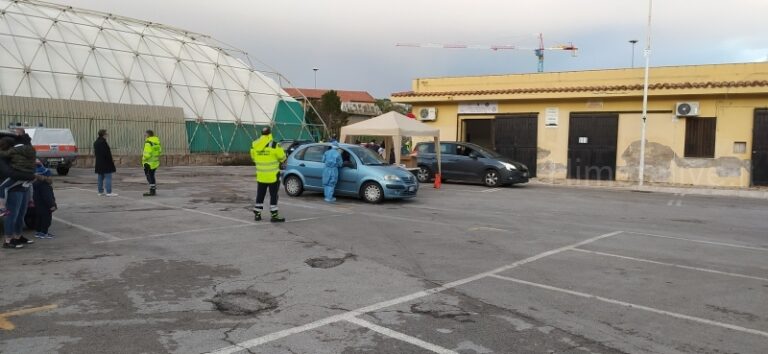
x=438, y=181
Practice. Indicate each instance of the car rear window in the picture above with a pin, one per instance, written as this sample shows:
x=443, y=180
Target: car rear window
x=313, y=153
x=426, y=148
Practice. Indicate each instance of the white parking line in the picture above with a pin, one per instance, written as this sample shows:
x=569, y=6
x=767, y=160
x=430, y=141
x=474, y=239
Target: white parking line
x=265, y=223
x=384, y=304
x=636, y=306
x=491, y=190
x=88, y=229
x=700, y=241
x=401, y=336
x=707, y=270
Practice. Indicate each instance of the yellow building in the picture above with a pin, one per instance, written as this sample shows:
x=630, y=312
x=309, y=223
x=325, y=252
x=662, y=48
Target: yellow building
x=707, y=124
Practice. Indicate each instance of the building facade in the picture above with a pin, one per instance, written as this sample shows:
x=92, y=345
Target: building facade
x=707, y=125
x=360, y=105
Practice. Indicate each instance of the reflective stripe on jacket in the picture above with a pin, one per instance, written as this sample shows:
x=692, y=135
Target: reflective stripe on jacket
x=152, y=152
x=267, y=155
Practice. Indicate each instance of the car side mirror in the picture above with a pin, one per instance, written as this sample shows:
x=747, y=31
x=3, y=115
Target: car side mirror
x=473, y=155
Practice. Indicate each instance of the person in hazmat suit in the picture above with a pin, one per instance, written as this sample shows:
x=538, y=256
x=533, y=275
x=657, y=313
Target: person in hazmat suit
x=333, y=162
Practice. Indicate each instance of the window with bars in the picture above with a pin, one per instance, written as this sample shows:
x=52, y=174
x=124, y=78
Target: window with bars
x=700, y=137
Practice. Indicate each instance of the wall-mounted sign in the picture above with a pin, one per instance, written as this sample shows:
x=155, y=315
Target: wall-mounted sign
x=583, y=140
x=551, y=116
x=478, y=108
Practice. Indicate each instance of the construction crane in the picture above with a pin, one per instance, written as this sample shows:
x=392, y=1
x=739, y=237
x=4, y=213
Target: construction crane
x=539, y=52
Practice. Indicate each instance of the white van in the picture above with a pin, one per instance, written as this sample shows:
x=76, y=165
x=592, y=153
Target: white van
x=55, y=147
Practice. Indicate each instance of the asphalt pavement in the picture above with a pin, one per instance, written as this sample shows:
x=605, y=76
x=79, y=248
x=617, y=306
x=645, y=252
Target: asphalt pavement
x=463, y=269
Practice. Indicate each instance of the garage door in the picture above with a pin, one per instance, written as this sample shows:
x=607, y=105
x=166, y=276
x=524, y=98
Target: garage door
x=515, y=136
x=760, y=148
x=592, y=146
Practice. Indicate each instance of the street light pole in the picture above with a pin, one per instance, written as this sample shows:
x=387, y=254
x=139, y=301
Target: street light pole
x=633, y=42
x=641, y=177
x=315, y=70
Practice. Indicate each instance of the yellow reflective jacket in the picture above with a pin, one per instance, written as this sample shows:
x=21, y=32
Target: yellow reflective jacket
x=152, y=152
x=267, y=155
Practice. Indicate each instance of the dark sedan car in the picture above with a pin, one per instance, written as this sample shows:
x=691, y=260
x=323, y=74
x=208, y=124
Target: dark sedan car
x=469, y=162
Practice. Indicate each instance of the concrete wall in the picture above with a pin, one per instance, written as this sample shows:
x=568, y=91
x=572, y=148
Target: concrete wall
x=134, y=161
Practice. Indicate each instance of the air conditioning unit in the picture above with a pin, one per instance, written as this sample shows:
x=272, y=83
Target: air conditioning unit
x=428, y=113
x=687, y=109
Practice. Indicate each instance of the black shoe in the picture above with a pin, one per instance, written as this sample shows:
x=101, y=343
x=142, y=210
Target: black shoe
x=151, y=193
x=24, y=241
x=257, y=216
x=12, y=245
x=276, y=218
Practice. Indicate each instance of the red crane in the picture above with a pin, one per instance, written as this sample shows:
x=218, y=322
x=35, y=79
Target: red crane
x=539, y=52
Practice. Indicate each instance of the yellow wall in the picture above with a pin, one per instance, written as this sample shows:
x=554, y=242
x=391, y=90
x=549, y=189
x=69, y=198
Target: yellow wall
x=665, y=161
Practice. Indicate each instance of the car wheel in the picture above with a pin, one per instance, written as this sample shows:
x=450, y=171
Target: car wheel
x=491, y=178
x=424, y=175
x=372, y=193
x=62, y=170
x=293, y=186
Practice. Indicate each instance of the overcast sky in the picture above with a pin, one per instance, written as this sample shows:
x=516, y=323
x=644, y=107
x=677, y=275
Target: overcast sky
x=352, y=42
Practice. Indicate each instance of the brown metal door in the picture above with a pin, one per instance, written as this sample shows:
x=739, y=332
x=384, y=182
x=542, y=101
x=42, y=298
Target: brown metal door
x=592, y=141
x=515, y=136
x=760, y=148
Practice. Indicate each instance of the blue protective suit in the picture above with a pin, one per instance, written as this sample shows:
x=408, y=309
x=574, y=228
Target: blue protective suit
x=332, y=160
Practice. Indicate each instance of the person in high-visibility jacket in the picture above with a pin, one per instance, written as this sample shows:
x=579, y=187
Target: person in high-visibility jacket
x=150, y=159
x=267, y=155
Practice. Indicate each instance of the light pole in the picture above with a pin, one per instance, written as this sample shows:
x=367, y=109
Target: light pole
x=633, y=42
x=315, y=70
x=647, y=52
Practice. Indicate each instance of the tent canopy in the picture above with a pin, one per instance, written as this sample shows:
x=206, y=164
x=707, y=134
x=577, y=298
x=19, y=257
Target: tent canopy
x=389, y=124
x=396, y=126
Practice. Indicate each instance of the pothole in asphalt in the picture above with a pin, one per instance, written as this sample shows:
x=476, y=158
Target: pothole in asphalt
x=439, y=310
x=244, y=302
x=327, y=262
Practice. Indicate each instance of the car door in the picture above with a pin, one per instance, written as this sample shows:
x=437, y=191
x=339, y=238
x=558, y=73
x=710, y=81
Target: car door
x=348, y=174
x=311, y=165
x=469, y=163
x=449, y=161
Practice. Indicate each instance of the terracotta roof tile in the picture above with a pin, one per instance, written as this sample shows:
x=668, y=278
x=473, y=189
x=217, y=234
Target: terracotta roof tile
x=655, y=86
x=346, y=96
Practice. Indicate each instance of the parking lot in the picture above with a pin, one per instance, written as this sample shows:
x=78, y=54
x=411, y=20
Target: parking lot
x=463, y=269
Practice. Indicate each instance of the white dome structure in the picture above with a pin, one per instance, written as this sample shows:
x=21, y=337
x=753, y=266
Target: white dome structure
x=58, y=52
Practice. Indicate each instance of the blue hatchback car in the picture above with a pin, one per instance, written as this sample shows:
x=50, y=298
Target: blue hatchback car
x=364, y=175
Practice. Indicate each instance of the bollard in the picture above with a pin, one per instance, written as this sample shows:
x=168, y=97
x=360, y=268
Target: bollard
x=438, y=181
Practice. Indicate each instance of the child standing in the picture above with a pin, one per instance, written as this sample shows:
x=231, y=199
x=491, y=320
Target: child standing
x=45, y=203
x=22, y=158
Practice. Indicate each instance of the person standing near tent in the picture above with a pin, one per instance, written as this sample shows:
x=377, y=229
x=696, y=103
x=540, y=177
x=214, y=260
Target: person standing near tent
x=332, y=161
x=151, y=160
x=267, y=155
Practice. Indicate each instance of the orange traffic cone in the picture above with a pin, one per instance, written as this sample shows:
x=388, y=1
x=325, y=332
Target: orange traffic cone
x=438, y=181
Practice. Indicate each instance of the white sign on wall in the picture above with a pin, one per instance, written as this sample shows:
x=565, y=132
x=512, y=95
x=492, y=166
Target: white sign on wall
x=479, y=108
x=551, y=116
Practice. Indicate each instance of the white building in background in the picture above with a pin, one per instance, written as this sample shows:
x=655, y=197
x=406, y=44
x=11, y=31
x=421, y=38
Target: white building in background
x=52, y=51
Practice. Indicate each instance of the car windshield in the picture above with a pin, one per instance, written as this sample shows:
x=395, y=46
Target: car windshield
x=367, y=157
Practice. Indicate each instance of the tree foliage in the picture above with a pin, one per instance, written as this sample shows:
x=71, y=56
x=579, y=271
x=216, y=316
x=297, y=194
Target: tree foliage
x=386, y=105
x=329, y=108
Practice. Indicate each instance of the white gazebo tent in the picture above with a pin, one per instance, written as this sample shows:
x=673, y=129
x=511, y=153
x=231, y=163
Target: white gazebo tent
x=395, y=126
